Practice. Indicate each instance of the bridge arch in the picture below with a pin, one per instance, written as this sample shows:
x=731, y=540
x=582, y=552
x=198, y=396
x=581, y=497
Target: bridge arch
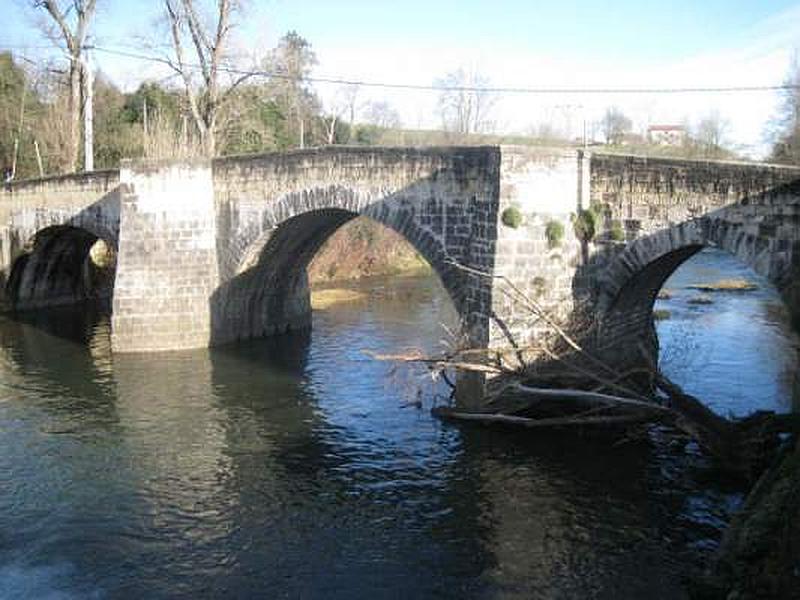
x=628, y=289
x=59, y=265
x=267, y=289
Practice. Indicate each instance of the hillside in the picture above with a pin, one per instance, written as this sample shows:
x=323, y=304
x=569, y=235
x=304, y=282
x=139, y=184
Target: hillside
x=364, y=248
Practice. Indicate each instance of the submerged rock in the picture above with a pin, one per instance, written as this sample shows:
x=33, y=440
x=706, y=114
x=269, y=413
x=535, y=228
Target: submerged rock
x=725, y=285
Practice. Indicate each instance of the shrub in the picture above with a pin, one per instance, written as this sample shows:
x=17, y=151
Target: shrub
x=616, y=233
x=585, y=225
x=554, y=232
x=539, y=285
x=511, y=217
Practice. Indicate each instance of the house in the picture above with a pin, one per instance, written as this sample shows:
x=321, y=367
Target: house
x=666, y=135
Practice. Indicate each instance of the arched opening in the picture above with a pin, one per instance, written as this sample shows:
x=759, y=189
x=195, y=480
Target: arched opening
x=711, y=323
x=725, y=335
x=333, y=379
x=63, y=266
x=270, y=294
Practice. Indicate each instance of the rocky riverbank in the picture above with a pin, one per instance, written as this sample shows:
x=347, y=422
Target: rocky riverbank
x=760, y=554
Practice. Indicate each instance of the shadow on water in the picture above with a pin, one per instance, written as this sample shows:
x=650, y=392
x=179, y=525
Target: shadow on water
x=293, y=467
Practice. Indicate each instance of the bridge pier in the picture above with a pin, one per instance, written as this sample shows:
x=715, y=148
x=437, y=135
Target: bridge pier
x=167, y=259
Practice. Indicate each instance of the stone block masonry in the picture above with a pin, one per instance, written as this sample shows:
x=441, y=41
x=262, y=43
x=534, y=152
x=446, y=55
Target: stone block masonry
x=84, y=206
x=669, y=209
x=210, y=252
x=276, y=210
x=167, y=261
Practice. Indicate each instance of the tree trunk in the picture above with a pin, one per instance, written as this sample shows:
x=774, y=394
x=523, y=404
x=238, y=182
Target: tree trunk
x=74, y=141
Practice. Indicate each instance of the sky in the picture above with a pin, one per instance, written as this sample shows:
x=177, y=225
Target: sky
x=513, y=43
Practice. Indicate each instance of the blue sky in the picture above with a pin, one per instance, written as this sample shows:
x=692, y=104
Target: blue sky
x=559, y=43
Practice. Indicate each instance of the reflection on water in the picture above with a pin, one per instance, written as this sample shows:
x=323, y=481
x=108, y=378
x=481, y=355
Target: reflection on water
x=294, y=468
x=738, y=353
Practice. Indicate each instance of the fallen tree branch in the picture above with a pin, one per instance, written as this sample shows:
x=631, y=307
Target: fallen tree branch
x=495, y=418
x=442, y=363
x=591, y=397
x=610, y=384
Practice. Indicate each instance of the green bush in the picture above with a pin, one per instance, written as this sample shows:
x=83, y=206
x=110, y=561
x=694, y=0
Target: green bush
x=616, y=233
x=554, y=232
x=585, y=225
x=511, y=217
x=539, y=285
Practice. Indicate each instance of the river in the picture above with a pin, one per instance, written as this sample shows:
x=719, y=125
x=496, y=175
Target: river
x=300, y=467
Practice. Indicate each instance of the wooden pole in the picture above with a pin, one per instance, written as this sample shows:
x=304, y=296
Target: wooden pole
x=14, y=158
x=38, y=157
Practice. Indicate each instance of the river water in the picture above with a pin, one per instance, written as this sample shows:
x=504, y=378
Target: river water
x=300, y=467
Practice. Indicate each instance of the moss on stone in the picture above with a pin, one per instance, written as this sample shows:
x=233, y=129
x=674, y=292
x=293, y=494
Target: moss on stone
x=585, y=225
x=511, y=217
x=554, y=232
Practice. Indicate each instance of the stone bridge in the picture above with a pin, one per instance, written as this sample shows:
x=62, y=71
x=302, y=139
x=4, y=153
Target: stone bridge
x=213, y=252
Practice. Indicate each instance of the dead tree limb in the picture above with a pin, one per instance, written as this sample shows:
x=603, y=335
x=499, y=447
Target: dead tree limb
x=586, y=421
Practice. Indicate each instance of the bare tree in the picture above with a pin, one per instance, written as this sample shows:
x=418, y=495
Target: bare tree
x=69, y=29
x=710, y=134
x=209, y=39
x=615, y=125
x=342, y=105
x=350, y=96
x=381, y=114
x=463, y=104
x=785, y=127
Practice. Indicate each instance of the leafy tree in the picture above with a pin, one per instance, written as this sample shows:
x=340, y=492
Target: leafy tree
x=116, y=137
x=290, y=64
x=615, y=125
x=20, y=113
x=151, y=99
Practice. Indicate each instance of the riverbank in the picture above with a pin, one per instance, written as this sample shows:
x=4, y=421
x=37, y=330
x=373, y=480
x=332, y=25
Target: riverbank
x=759, y=556
x=364, y=248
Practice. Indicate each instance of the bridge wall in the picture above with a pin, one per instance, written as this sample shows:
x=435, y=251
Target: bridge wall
x=275, y=211
x=214, y=252
x=35, y=215
x=646, y=195
x=667, y=211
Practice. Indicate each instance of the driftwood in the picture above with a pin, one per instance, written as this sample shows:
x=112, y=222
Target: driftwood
x=565, y=399
x=742, y=446
x=552, y=422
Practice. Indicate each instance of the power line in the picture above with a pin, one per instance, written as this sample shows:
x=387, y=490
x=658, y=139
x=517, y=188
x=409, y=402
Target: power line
x=445, y=88
x=488, y=89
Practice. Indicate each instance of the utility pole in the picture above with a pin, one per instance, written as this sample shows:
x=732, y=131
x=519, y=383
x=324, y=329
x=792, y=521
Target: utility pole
x=88, y=116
